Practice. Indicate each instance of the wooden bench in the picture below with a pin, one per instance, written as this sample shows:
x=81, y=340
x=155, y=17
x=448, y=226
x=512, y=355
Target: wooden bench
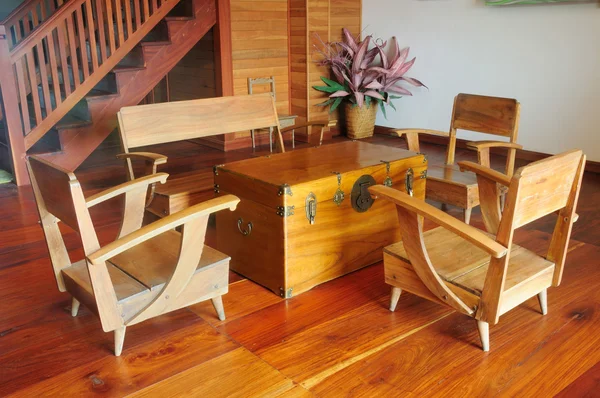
x=145, y=125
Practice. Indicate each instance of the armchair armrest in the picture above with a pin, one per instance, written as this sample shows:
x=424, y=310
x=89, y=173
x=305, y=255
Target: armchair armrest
x=412, y=136
x=156, y=228
x=467, y=232
x=126, y=187
x=156, y=158
x=477, y=145
x=400, y=132
x=486, y=172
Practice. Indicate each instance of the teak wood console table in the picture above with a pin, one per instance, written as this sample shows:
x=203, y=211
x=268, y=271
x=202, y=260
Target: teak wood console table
x=306, y=216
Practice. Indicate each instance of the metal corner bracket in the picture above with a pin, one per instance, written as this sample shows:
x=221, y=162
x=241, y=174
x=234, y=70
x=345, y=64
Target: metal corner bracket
x=286, y=293
x=285, y=189
x=216, y=169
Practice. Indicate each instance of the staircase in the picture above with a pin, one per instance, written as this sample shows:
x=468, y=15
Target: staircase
x=67, y=75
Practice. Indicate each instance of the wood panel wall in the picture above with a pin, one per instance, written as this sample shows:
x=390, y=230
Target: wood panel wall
x=194, y=76
x=309, y=18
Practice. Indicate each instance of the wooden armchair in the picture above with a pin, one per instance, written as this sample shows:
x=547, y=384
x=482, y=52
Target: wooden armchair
x=485, y=275
x=147, y=271
x=491, y=115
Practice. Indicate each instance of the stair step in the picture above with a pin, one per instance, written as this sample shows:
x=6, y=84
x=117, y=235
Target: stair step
x=179, y=18
x=72, y=121
x=99, y=94
x=127, y=68
x=155, y=43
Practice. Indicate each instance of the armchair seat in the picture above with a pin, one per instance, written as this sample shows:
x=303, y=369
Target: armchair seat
x=142, y=270
x=445, y=247
x=152, y=262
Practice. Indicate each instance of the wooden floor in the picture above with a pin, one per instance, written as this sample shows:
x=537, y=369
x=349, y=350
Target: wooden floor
x=338, y=339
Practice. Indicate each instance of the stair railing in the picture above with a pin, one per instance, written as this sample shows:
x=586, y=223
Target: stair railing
x=47, y=72
x=26, y=18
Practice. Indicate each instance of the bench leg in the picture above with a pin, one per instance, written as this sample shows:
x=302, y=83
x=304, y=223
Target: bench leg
x=253, y=142
x=293, y=140
x=271, y=139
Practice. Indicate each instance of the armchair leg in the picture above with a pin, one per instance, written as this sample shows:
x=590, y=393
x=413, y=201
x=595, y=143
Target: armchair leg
x=119, y=339
x=396, y=292
x=218, y=304
x=543, y=299
x=484, y=334
x=467, y=213
x=444, y=207
x=74, y=307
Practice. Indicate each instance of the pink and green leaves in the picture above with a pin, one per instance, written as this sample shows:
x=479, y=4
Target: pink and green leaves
x=359, y=78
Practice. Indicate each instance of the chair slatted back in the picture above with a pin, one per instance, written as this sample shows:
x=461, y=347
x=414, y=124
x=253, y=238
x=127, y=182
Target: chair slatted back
x=491, y=115
x=143, y=125
x=545, y=186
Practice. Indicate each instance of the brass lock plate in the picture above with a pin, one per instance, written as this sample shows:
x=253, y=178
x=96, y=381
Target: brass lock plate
x=360, y=197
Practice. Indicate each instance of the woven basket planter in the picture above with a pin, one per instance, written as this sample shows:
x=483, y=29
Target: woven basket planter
x=360, y=121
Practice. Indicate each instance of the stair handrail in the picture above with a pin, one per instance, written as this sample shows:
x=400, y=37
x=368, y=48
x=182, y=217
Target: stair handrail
x=42, y=29
x=13, y=19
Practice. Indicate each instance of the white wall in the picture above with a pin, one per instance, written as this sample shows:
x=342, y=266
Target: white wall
x=546, y=56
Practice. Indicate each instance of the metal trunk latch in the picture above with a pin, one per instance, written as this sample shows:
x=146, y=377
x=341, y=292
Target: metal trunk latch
x=339, y=196
x=361, y=197
x=388, y=180
x=409, y=181
x=311, y=207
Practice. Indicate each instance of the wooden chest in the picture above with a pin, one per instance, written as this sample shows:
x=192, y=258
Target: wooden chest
x=296, y=225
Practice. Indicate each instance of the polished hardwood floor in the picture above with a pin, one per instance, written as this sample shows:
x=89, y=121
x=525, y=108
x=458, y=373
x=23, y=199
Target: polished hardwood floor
x=338, y=339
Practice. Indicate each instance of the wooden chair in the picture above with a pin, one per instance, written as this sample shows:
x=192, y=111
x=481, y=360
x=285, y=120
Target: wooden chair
x=147, y=271
x=145, y=125
x=478, y=274
x=285, y=121
x=491, y=115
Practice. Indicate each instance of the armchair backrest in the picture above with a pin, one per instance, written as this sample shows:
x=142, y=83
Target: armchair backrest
x=536, y=190
x=483, y=114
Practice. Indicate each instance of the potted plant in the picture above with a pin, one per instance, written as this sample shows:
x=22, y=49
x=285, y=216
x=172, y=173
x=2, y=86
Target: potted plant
x=362, y=82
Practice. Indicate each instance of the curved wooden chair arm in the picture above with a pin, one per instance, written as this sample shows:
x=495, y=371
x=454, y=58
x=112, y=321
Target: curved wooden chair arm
x=467, y=232
x=156, y=158
x=485, y=172
x=167, y=223
x=125, y=187
x=477, y=145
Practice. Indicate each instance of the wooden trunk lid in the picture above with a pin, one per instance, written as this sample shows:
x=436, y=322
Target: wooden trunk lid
x=285, y=180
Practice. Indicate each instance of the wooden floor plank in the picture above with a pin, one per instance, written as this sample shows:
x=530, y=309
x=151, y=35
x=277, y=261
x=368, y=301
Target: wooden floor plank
x=446, y=358
x=245, y=297
x=140, y=366
x=52, y=356
x=238, y=373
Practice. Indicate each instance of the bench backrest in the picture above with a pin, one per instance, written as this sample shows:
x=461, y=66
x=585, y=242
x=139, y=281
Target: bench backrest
x=144, y=125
